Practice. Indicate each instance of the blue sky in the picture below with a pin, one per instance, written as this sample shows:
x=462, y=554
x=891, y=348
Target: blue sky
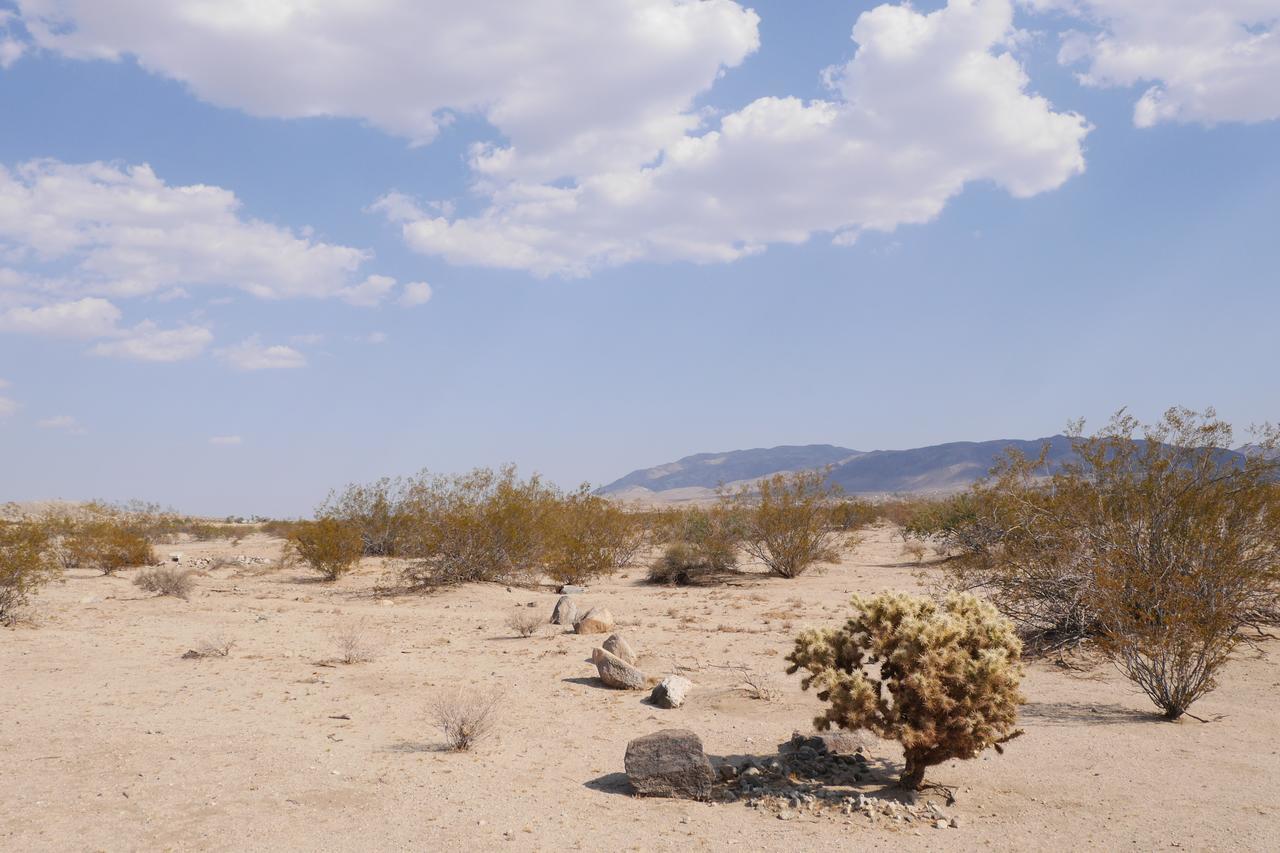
x=984, y=219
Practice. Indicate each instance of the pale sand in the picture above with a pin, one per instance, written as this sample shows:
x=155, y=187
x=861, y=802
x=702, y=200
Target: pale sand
x=111, y=741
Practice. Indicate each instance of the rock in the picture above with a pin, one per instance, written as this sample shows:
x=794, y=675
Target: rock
x=566, y=612
x=175, y=557
x=671, y=691
x=954, y=823
x=597, y=621
x=617, y=673
x=619, y=647
x=566, y=589
x=670, y=763
x=727, y=772
x=940, y=824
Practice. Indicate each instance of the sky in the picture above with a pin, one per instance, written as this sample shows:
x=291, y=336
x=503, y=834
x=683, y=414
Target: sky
x=252, y=250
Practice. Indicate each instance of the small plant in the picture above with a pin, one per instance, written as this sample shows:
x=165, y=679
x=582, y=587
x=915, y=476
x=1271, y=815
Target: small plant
x=689, y=564
x=329, y=546
x=26, y=564
x=915, y=550
x=465, y=718
x=353, y=644
x=942, y=681
x=524, y=622
x=787, y=524
x=757, y=685
x=217, y=646
x=166, y=580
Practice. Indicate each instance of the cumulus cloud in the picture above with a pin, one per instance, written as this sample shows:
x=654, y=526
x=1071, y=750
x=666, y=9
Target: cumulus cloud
x=928, y=104
x=415, y=293
x=90, y=317
x=251, y=354
x=226, y=440
x=147, y=342
x=1200, y=61
x=567, y=84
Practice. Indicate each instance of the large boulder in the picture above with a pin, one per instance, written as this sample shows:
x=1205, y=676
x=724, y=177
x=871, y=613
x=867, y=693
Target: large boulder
x=598, y=620
x=670, y=763
x=617, y=673
x=617, y=646
x=671, y=691
x=566, y=612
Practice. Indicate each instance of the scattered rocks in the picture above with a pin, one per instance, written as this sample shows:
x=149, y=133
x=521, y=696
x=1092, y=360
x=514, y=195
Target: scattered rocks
x=670, y=763
x=617, y=673
x=566, y=612
x=617, y=646
x=597, y=621
x=671, y=691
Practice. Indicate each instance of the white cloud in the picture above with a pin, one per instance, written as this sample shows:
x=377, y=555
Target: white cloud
x=11, y=49
x=125, y=232
x=226, y=440
x=146, y=342
x=929, y=103
x=415, y=293
x=369, y=292
x=250, y=354
x=1200, y=61
x=307, y=340
x=8, y=407
x=568, y=84
x=377, y=338
x=90, y=317
x=63, y=423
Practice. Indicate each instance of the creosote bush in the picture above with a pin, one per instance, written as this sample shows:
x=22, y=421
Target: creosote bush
x=381, y=511
x=786, y=522
x=588, y=536
x=327, y=545
x=466, y=718
x=940, y=680
x=108, y=544
x=166, y=580
x=687, y=564
x=26, y=564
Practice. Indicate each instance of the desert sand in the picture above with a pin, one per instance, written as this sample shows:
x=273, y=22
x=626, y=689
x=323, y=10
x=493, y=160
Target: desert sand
x=113, y=741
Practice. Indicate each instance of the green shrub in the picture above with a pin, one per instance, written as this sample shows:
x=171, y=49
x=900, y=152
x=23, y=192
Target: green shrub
x=327, y=545
x=26, y=564
x=786, y=522
x=942, y=681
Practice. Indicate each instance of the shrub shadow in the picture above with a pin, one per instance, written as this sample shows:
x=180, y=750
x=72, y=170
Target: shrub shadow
x=1080, y=713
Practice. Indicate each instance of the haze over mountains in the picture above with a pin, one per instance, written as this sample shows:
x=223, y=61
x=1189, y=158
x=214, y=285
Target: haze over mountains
x=938, y=468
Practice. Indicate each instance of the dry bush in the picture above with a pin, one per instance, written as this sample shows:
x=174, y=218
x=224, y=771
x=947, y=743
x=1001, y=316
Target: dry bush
x=915, y=550
x=381, y=511
x=108, y=544
x=327, y=545
x=353, y=643
x=687, y=564
x=166, y=580
x=217, y=646
x=525, y=622
x=26, y=564
x=481, y=526
x=786, y=522
x=851, y=515
x=757, y=685
x=943, y=681
x=1153, y=542
x=466, y=718
x=588, y=536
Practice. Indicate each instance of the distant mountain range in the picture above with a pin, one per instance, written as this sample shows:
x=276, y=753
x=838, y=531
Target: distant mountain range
x=940, y=468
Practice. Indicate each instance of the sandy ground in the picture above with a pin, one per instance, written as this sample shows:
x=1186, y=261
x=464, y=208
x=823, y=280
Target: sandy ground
x=112, y=741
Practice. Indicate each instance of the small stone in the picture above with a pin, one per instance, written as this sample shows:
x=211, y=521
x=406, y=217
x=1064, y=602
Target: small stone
x=671, y=692
x=597, y=621
x=727, y=772
x=939, y=824
x=670, y=763
x=565, y=613
x=955, y=823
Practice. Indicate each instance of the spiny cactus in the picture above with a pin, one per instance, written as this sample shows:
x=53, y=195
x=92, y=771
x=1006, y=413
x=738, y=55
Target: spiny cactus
x=941, y=680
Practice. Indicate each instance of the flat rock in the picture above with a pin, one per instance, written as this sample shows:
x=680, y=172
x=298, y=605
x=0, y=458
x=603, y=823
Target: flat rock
x=670, y=763
x=566, y=612
x=671, y=691
x=568, y=589
x=617, y=673
x=597, y=621
x=617, y=646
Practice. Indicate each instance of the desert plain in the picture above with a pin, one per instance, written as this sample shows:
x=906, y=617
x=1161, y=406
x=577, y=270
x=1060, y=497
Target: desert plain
x=113, y=740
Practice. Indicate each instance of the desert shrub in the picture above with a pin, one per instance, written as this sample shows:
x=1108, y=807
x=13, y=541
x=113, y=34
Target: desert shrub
x=379, y=510
x=353, y=643
x=850, y=515
x=166, y=580
x=524, y=622
x=588, y=536
x=108, y=544
x=482, y=526
x=689, y=564
x=279, y=528
x=26, y=564
x=327, y=545
x=786, y=522
x=465, y=718
x=1163, y=548
x=940, y=680
x=915, y=550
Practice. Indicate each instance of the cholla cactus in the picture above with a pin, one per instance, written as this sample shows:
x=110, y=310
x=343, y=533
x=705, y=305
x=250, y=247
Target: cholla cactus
x=951, y=674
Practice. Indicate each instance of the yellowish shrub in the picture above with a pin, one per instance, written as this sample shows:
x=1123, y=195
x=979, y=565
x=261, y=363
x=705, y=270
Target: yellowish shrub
x=327, y=545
